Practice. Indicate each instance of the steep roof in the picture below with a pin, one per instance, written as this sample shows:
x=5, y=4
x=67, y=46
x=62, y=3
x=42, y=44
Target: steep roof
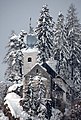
x=49, y=70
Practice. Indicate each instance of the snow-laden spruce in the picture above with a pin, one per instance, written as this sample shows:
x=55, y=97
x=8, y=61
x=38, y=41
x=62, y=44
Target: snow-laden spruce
x=61, y=52
x=73, y=29
x=33, y=103
x=44, y=32
x=14, y=57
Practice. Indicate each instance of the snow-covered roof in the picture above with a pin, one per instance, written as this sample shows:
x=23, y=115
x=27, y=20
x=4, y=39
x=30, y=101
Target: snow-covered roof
x=30, y=50
x=13, y=102
x=12, y=96
x=52, y=63
x=40, y=64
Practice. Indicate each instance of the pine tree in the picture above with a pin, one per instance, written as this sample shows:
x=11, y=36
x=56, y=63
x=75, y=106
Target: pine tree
x=14, y=57
x=44, y=32
x=73, y=29
x=61, y=52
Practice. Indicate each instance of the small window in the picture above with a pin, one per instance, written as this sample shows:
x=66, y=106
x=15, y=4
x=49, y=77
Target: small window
x=29, y=59
x=37, y=71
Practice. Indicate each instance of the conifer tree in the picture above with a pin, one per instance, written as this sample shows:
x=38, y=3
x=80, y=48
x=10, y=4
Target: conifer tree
x=14, y=57
x=33, y=102
x=44, y=32
x=73, y=37
x=61, y=52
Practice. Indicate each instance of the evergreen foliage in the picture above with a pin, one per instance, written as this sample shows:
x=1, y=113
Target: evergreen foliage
x=14, y=57
x=73, y=37
x=64, y=44
x=33, y=103
x=61, y=51
x=44, y=32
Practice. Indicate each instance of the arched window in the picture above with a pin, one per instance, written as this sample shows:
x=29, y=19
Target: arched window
x=29, y=59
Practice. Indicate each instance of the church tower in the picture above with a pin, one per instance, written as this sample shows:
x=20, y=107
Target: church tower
x=30, y=54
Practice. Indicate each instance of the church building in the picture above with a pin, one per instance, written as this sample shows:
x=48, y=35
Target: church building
x=34, y=72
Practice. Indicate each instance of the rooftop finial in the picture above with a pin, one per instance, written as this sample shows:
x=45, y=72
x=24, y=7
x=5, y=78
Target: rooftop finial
x=30, y=23
x=30, y=28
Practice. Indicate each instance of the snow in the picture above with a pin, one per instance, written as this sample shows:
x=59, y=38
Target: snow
x=12, y=96
x=37, y=77
x=30, y=50
x=44, y=32
x=12, y=100
x=52, y=63
x=14, y=37
x=14, y=87
x=39, y=65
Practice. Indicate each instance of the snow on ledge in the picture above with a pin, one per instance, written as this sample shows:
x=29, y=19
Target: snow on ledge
x=14, y=87
x=30, y=50
x=11, y=96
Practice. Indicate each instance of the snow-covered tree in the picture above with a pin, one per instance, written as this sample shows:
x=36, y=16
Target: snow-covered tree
x=44, y=32
x=19, y=51
x=14, y=57
x=61, y=52
x=73, y=30
x=33, y=103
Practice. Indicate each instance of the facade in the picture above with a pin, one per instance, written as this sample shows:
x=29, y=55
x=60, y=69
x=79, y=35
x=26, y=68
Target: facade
x=55, y=86
x=30, y=60
x=37, y=73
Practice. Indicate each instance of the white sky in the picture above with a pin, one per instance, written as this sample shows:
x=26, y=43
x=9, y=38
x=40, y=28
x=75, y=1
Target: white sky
x=15, y=14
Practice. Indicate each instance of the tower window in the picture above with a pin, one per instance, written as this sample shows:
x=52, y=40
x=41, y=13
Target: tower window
x=29, y=59
x=37, y=71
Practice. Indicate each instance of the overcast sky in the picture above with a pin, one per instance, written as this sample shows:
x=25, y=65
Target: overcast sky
x=15, y=14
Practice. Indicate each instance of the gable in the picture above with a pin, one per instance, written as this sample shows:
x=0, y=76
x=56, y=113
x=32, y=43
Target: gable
x=38, y=69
